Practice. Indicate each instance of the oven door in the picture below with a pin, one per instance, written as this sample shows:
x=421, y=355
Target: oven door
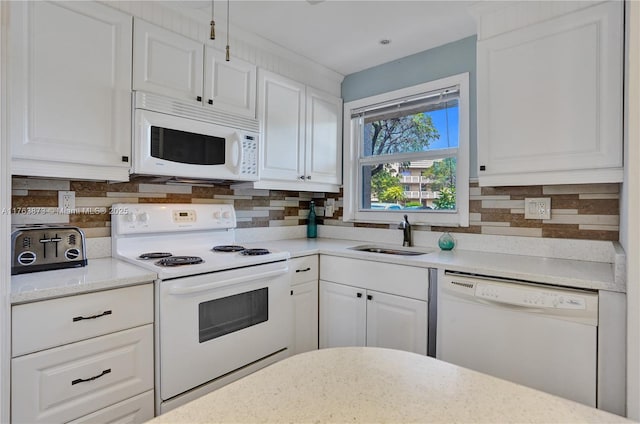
x=213, y=324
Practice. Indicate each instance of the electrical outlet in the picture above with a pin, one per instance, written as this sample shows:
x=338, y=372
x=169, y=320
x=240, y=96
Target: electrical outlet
x=329, y=206
x=537, y=208
x=66, y=201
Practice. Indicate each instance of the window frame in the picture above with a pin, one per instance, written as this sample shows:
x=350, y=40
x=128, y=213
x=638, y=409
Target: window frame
x=352, y=169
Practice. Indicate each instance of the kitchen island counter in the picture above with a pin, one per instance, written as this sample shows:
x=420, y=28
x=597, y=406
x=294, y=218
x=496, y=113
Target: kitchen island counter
x=359, y=384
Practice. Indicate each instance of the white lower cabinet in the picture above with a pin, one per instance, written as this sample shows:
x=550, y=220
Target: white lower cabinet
x=100, y=369
x=343, y=320
x=304, y=290
x=134, y=410
x=365, y=303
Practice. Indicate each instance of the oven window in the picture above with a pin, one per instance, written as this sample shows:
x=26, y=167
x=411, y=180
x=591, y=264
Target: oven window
x=223, y=316
x=186, y=147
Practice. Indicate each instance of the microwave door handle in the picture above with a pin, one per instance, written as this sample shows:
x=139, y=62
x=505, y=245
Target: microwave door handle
x=178, y=290
x=235, y=143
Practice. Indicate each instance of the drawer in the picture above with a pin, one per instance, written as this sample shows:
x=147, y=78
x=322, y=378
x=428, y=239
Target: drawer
x=304, y=269
x=50, y=323
x=401, y=280
x=137, y=409
x=68, y=382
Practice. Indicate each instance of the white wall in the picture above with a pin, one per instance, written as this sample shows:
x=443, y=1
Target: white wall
x=630, y=208
x=5, y=219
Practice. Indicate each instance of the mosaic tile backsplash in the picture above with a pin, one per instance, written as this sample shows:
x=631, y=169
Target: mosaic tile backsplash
x=577, y=211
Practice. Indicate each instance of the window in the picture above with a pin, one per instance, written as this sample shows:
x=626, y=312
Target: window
x=409, y=148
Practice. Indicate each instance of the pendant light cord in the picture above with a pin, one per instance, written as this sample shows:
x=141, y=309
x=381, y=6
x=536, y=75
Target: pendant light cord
x=228, y=56
x=212, y=35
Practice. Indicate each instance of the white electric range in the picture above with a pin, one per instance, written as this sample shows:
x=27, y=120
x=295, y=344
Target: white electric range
x=222, y=311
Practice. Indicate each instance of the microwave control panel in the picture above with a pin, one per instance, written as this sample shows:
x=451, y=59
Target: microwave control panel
x=249, y=164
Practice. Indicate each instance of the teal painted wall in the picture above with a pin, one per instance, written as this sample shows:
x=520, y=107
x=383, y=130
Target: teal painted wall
x=443, y=61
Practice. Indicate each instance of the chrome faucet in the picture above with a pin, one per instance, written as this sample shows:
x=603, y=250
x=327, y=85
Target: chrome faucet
x=406, y=231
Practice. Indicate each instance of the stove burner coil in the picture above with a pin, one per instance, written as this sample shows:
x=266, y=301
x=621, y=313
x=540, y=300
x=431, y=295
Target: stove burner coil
x=179, y=260
x=255, y=252
x=228, y=248
x=154, y=255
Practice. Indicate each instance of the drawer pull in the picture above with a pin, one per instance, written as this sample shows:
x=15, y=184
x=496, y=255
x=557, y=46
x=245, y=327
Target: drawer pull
x=84, y=380
x=92, y=317
x=303, y=270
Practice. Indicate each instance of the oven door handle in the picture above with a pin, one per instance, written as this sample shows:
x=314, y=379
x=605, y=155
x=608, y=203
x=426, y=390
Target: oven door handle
x=178, y=290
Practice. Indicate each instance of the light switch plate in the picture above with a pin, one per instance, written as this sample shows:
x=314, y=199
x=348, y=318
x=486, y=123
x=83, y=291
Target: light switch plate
x=537, y=208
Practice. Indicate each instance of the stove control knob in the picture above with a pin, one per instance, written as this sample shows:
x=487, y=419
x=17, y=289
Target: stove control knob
x=217, y=214
x=131, y=217
x=144, y=217
x=226, y=214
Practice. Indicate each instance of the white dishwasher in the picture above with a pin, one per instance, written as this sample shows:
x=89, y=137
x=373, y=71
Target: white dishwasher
x=534, y=335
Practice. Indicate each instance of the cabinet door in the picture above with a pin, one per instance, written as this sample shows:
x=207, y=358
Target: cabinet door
x=550, y=101
x=68, y=382
x=281, y=113
x=342, y=315
x=167, y=63
x=305, y=316
x=323, y=149
x=138, y=409
x=69, y=89
x=229, y=86
x=396, y=322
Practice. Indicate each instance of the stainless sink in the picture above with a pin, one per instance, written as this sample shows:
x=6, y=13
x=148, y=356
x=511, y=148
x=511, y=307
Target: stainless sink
x=391, y=250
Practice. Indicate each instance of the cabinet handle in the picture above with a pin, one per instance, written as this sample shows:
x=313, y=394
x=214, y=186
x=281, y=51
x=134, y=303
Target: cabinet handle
x=210, y=101
x=92, y=317
x=199, y=98
x=301, y=177
x=291, y=292
x=369, y=297
x=308, y=177
x=483, y=168
x=303, y=270
x=359, y=294
x=84, y=380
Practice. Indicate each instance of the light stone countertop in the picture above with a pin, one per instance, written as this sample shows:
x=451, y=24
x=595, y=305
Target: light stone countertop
x=365, y=385
x=99, y=274
x=563, y=272
x=107, y=273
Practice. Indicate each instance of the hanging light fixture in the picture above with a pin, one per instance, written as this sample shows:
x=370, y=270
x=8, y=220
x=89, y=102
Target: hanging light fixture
x=228, y=25
x=212, y=34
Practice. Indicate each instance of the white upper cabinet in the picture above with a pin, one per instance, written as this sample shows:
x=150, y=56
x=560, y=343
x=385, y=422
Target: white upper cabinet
x=178, y=67
x=323, y=150
x=229, y=86
x=301, y=130
x=281, y=112
x=167, y=63
x=550, y=94
x=69, y=90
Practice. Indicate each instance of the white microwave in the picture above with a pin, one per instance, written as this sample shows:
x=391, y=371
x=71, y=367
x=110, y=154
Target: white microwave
x=187, y=141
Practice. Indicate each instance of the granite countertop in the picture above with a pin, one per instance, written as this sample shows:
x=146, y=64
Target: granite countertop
x=563, y=272
x=99, y=274
x=378, y=385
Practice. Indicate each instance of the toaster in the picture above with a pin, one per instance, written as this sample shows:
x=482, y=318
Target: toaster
x=46, y=247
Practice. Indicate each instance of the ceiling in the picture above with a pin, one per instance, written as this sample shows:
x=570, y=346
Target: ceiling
x=345, y=35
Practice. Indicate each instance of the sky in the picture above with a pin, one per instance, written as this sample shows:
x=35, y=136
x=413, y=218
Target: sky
x=439, y=118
